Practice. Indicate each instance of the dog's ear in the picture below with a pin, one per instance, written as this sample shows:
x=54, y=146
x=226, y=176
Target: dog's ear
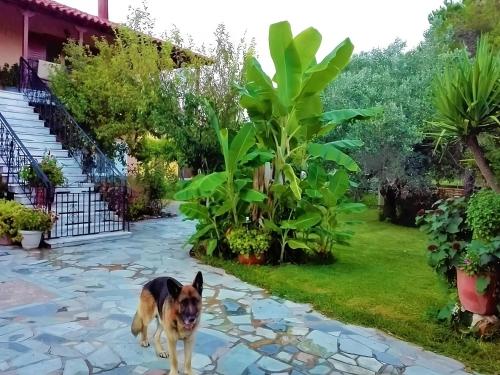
x=174, y=288
x=198, y=282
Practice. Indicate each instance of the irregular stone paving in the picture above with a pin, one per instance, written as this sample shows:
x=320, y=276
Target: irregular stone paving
x=68, y=311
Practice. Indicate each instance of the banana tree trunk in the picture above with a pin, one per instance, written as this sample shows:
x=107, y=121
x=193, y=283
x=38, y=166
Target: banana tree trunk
x=482, y=163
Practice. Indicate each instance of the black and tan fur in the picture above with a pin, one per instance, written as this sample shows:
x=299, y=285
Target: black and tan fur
x=177, y=309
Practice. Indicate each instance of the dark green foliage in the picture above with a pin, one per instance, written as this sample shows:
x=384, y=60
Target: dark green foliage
x=483, y=214
x=49, y=167
x=9, y=75
x=448, y=235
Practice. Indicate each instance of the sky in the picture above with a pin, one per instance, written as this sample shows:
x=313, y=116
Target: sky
x=369, y=23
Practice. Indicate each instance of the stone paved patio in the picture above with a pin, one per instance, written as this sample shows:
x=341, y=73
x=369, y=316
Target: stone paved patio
x=68, y=311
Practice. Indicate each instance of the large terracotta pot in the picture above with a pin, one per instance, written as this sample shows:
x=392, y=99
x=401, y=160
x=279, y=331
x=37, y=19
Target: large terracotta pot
x=251, y=259
x=471, y=300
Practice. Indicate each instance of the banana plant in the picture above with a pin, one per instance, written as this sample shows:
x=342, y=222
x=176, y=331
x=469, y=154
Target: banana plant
x=288, y=116
x=287, y=110
x=221, y=199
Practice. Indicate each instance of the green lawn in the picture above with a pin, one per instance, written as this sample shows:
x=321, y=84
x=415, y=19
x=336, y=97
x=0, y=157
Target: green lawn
x=382, y=280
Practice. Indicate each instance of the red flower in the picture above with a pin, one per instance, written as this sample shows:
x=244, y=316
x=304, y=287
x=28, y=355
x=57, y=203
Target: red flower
x=421, y=212
x=456, y=246
x=432, y=247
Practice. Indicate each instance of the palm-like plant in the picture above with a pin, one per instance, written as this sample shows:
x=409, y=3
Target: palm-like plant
x=467, y=102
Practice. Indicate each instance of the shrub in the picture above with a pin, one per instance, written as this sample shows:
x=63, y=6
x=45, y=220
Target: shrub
x=248, y=241
x=9, y=75
x=51, y=169
x=448, y=235
x=136, y=208
x=35, y=219
x=9, y=219
x=483, y=214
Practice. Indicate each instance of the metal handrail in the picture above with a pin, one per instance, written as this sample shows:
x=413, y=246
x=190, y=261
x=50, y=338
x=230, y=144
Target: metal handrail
x=9, y=145
x=37, y=92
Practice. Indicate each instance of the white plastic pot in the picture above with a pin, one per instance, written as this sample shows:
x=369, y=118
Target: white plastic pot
x=31, y=239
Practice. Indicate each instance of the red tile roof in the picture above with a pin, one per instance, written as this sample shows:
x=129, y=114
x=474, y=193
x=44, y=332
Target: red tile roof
x=56, y=8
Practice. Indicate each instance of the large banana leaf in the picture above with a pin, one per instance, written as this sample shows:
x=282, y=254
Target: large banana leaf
x=292, y=178
x=194, y=211
x=339, y=183
x=286, y=61
x=240, y=146
x=303, y=222
x=201, y=186
x=329, y=152
x=320, y=75
x=307, y=44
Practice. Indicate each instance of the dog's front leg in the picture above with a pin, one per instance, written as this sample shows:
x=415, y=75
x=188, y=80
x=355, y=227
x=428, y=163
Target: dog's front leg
x=172, y=350
x=188, y=352
x=160, y=352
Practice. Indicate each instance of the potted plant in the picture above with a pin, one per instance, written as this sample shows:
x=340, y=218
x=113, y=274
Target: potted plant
x=249, y=244
x=32, y=224
x=477, y=276
x=9, y=215
x=54, y=173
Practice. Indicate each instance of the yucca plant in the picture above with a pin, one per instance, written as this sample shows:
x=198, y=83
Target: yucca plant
x=467, y=102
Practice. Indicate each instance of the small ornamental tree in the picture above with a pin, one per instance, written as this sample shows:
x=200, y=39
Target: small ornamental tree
x=467, y=102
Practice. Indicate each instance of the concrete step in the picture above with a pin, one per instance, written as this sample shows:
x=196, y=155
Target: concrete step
x=13, y=95
x=26, y=124
x=41, y=138
x=39, y=153
x=41, y=144
x=83, y=240
x=11, y=115
x=32, y=131
x=21, y=103
x=19, y=108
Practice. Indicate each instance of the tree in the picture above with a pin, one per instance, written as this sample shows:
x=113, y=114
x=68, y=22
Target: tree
x=114, y=90
x=465, y=21
x=399, y=82
x=467, y=102
x=215, y=80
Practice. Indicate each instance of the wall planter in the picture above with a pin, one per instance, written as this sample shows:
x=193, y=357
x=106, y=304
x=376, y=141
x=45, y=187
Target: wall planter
x=31, y=239
x=471, y=300
x=251, y=259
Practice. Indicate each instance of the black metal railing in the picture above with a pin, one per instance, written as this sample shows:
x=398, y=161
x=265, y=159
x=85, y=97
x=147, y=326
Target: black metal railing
x=109, y=185
x=15, y=158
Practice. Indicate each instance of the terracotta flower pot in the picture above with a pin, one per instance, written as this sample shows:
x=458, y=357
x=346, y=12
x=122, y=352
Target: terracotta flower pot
x=471, y=300
x=251, y=259
x=5, y=240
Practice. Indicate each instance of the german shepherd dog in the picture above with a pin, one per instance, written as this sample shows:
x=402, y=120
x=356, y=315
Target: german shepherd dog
x=177, y=309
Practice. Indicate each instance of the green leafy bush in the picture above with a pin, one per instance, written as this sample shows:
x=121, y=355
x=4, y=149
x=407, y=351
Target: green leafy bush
x=448, y=235
x=9, y=75
x=50, y=167
x=483, y=214
x=248, y=241
x=9, y=219
x=35, y=220
x=137, y=208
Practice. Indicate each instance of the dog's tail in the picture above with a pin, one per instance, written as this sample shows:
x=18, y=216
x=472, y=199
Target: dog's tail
x=137, y=324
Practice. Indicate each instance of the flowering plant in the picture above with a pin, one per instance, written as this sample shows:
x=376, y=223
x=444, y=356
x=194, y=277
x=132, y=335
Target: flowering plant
x=480, y=257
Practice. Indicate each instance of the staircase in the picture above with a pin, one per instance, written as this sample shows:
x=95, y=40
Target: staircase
x=91, y=203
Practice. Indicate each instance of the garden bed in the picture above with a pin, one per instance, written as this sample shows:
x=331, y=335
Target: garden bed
x=382, y=280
